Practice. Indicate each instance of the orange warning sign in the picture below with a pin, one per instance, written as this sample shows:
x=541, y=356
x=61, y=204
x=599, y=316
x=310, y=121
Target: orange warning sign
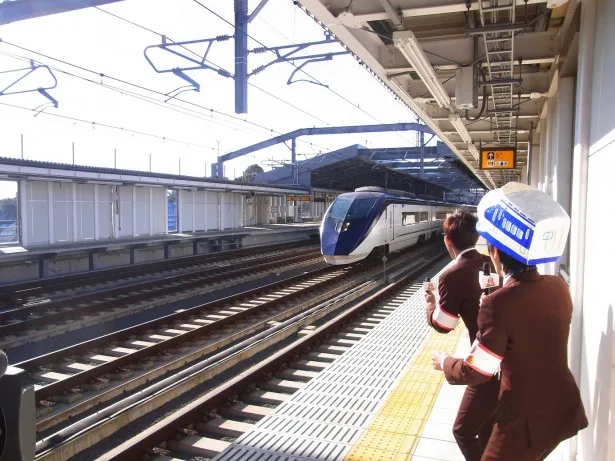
x=498, y=158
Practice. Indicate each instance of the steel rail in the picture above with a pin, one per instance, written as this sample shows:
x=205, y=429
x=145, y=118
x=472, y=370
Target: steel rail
x=31, y=288
x=159, y=287
x=100, y=420
x=57, y=387
x=192, y=413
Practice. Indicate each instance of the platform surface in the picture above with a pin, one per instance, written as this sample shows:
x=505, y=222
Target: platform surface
x=16, y=251
x=376, y=402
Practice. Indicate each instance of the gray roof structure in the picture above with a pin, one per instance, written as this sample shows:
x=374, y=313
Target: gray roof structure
x=433, y=172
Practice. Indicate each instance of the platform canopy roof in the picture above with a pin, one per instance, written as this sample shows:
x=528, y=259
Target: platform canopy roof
x=20, y=10
x=434, y=171
x=416, y=47
x=355, y=172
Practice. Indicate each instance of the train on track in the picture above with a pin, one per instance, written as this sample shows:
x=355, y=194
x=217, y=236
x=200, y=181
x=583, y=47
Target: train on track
x=372, y=222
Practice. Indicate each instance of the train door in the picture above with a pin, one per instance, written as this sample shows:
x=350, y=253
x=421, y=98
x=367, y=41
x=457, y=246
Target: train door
x=391, y=223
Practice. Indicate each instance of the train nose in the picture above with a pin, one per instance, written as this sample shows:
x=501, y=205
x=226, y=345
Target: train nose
x=330, y=233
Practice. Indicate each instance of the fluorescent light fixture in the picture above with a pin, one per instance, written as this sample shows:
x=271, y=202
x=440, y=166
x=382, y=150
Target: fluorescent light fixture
x=473, y=150
x=406, y=42
x=460, y=127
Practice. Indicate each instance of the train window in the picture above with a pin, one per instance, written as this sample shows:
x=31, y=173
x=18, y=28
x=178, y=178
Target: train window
x=423, y=216
x=442, y=214
x=340, y=208
x=361, y=207
x=407, y=219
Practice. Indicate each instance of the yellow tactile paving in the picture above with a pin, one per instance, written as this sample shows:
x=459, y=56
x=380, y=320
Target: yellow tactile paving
x=394, y=431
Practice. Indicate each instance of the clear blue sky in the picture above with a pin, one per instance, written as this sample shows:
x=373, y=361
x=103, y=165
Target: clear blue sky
x=98, y=41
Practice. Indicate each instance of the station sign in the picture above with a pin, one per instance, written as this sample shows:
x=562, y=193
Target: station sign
x=298, y=198
x=501, y=158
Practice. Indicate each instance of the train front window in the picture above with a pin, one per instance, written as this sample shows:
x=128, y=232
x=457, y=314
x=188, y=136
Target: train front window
x=361, y=207
x=340, y=208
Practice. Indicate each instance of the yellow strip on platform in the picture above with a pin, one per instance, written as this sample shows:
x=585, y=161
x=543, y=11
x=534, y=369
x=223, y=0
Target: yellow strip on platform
x=393, y=433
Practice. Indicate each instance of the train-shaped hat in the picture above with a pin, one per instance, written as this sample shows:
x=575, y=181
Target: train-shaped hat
x=524, y=223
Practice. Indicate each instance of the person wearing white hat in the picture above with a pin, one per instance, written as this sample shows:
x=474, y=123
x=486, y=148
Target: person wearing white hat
x=523, y=328
x=459, y=296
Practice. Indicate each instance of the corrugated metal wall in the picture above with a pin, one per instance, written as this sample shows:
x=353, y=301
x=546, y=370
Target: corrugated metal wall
x=65, y=212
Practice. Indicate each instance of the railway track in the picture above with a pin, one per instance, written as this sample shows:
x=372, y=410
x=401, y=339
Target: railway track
x=250, y=329
x=78, y=378
x=30, y=323
x=41, y=290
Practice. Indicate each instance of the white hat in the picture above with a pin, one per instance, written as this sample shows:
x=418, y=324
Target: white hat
x=524, y=223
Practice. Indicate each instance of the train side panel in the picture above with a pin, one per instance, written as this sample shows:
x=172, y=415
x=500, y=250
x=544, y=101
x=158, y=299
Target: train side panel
x=378, y=227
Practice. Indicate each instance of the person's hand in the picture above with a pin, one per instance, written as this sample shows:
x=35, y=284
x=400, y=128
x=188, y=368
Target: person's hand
x=437, y=359
x=430, y=298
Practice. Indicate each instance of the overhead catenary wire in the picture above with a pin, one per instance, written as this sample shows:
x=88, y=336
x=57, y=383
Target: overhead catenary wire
x=291, y=63
x=113, y=127
x=209, y=118
x=140, y=26
x=356, y=106
x=141, y=87
x=135, y=85
x=374, y=75
x=165, y=104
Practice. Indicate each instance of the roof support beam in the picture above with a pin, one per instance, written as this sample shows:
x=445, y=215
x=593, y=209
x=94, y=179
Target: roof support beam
x=365, y=51
x=426, y=8
x=217, y=169
x=394, y=15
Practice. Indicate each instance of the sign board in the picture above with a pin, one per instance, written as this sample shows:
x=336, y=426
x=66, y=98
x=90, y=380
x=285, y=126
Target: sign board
x=499, y=158
x=297, y=198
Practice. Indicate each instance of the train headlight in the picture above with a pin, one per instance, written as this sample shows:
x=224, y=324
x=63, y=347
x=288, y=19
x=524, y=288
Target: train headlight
x=345, y=227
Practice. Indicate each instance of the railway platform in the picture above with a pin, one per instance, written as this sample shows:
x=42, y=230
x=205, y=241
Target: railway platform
x=18, y=263
x=381, y=400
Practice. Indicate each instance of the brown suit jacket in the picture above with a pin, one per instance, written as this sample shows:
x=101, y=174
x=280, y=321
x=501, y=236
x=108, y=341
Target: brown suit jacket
x=526, y=325
x=460, y=292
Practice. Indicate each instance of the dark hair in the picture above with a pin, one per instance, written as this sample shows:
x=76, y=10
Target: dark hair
x=460, y=227
x=510, y=264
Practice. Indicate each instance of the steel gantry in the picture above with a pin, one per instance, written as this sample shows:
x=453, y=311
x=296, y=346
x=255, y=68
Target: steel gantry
x=218, y=168
x=242, y=72
x=18, y=10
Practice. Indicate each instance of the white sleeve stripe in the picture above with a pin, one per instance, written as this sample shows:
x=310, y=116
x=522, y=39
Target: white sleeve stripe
x=493, y=354
x=483, y=360
x=444, y=319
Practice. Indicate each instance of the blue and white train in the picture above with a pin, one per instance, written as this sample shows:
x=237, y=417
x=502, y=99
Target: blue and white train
x=371, y=221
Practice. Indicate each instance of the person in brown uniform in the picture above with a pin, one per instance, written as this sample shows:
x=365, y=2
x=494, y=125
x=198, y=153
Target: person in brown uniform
x=523, y=329
x=460, y=293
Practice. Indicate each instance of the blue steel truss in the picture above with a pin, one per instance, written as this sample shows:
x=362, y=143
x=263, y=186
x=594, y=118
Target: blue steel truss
x=217, y=169
x=27, y=71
